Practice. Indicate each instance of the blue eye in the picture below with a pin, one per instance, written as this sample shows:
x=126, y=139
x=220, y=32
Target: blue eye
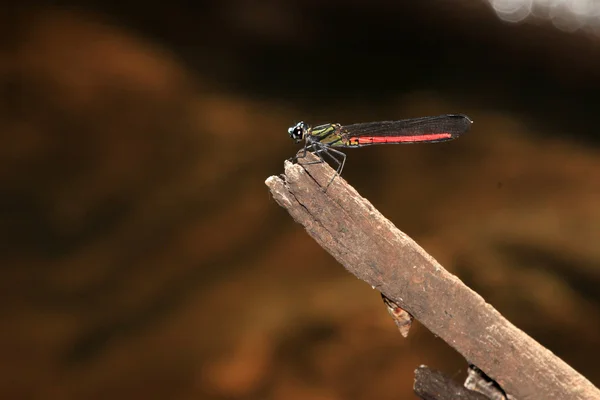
x=297, y=132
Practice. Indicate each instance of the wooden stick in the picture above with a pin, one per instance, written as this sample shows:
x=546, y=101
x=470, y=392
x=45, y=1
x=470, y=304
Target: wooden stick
x=434, y=385
x=372, y=248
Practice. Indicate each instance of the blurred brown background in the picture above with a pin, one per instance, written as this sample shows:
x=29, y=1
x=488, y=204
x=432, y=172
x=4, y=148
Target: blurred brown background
x=142, y=255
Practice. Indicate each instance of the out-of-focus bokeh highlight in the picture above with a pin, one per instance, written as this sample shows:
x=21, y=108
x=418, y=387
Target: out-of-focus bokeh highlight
x=567, y=15
x=142, y=255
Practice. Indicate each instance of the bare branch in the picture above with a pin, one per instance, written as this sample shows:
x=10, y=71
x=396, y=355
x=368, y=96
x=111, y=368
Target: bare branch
x=433, y=385
x=372, y=248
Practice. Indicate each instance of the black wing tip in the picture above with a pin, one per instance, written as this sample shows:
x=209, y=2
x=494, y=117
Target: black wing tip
x=462, y=124
x=460, y=116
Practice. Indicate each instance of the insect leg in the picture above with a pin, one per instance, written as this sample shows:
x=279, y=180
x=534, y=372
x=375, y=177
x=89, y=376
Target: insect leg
x=305, y=150
x=339, y=163
x=318, y=150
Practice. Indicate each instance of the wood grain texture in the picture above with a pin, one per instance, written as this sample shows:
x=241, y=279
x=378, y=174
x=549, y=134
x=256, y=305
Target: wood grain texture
x=433, y=385
x=372, y=248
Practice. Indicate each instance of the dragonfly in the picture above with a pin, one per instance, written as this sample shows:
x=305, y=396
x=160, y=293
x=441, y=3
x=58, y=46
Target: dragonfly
x=328, y=138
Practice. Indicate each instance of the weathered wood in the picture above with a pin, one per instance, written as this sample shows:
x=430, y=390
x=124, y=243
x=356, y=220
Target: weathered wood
x=372, y=248
x=478, y=381
x=433, y=385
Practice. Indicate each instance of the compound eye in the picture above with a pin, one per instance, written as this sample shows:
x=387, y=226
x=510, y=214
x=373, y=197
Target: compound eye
x=298, y=133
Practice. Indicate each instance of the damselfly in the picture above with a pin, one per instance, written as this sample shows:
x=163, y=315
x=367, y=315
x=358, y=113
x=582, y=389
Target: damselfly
x=325, y=139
